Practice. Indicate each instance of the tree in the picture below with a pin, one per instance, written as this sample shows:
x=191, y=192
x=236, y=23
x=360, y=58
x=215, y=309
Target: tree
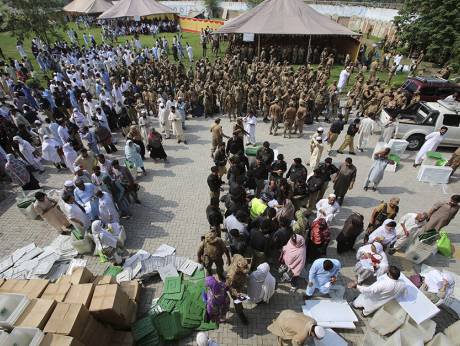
x=43, y=18
x=211, y=7
x=431, y=26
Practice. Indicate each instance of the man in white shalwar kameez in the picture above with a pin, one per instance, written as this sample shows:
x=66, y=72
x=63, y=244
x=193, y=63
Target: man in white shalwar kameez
x=27, y=151
x=176, y=123
x=250, y=127
x=366, y=129
x=144, y=126
x=408, y=227
x=108, y=213
x=327, y=208
x=343, y=79
x=316, y=148
x=386, y=288
x=163, y=119
x=432, y=142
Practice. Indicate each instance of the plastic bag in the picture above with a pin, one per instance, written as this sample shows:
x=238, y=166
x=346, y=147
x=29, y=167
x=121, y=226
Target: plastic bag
x=444, y=244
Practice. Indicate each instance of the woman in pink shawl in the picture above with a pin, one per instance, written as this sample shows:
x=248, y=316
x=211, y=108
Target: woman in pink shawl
x=216, y=299
x=293, y=256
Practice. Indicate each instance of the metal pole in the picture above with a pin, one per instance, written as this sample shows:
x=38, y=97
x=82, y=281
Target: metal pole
x=258, y=45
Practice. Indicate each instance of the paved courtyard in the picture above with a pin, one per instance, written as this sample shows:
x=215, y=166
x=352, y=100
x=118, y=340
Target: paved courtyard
x=174, y=198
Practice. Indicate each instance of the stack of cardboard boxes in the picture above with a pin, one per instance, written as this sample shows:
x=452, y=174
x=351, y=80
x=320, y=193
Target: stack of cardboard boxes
x=78, y=309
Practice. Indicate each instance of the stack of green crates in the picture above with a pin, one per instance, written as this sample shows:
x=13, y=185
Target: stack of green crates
x=178, y=312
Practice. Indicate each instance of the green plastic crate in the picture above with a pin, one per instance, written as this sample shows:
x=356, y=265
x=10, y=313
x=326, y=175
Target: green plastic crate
x=252, y=151
x=142, y=328
x=167, y=304
x=152, y=339
x=434, y=155
x=395, y=158
x=113, y=271
x=172, y=285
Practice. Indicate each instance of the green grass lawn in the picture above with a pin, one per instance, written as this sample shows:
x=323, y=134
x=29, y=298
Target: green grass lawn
x=8, y=45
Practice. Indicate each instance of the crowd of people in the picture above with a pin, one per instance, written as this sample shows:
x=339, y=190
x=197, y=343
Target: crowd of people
x=275, y=213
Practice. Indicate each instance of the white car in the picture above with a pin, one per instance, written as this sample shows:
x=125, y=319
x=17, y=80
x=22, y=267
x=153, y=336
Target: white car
x=423, y=118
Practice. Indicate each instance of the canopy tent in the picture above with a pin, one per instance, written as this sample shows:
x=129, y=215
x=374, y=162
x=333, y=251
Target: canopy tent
x=88, y=6
x=136, y=8
x=284, y=17
x=272, y=20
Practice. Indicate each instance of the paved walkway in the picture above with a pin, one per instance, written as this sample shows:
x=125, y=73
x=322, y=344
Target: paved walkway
x=174, y=198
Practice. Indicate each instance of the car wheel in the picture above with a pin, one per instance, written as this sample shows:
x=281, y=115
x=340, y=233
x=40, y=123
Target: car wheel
x=415, y=142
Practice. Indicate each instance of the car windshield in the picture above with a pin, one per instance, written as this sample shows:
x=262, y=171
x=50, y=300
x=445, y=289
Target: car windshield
x=423, y=112
x=410, y=86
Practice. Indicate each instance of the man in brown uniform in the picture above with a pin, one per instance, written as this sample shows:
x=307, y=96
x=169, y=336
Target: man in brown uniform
x=300, y=118
x=294, y=328
x=230, y=107
x=442, y=213
x=210, y=252
x=217, y=135
x=275, y=116
x=289, y=117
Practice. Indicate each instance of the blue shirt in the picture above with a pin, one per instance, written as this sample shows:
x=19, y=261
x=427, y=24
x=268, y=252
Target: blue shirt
x=319, y=276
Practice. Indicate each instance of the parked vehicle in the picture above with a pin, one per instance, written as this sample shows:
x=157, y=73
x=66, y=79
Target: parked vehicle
x=431, y=88
x=423, y=118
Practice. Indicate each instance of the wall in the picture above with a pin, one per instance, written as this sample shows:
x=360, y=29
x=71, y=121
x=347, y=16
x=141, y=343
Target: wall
x=195, y=25
x=357, y=18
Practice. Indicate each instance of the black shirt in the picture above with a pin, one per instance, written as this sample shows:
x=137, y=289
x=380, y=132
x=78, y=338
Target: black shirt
x=352, y=129
x=259, y=171
x=337, y=126
x=234, y=146
x=220, y=158
x=279, y=165
x=297, y=173
x=314, y=183
x=266, y=155
x=214, y=182
x=258, y=241
x=214, y=216
x=327, y=171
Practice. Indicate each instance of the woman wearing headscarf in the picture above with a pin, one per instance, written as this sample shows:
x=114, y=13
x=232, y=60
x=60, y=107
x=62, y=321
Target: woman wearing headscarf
x=318, y=240
x=216, y=300
x=352, y=228
x=155, y=146
x=70, y=156
x=29, y=153
x=385, y=234
x=135, y=135
x=261, y=285
x=437, y=286
x=50, y=151
x=132, y=153
x=293, y=255
x=237, y=276
x=372, y=261
x=19, y=174
x=49, y=210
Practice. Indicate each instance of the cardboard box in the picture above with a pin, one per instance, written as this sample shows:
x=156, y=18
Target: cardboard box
x=132, y=289
x=80, y=294
x=30, y=288
x=57, y=292
x=120, y=338
x=80, y=275
x=111, y=305
x=68, y=319
x=59, y=340
x=95, y=333
x=37, y=314
x=104, y=280
x=132, y=311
